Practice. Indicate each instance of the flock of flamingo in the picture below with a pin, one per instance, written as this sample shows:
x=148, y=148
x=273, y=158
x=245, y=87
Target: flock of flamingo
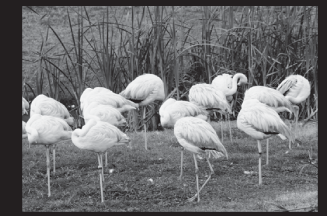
x=50, y=121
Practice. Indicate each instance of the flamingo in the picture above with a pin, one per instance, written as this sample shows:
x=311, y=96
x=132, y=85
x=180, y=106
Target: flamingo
x=228, y=86
x=98, y=136
x=105, y=113
x=47, y=106
x=198, y=136
x=296, y=89
x=273, y=99
x=107, y=98
x=44, y=105
x=89, y=91
x=261, y=121
x=172, y=110
x=47, y=130
x=207, y=96
x=25, y=106
x=143, y=90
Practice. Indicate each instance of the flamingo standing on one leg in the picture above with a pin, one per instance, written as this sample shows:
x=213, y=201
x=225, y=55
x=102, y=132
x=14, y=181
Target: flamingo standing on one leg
x=47, y=106
x=296, y=89
x=105, y=113
x=198, y=137
x=143, y=90
x=228, y=85
x=271, y=98
x=210, y=98
x=98, y=136
x=47, y=130
x=261, y=122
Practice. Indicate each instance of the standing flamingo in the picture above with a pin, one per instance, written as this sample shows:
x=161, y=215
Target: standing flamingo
x=47, y=106
x=228, y=86
x=105, y=113
x=198, y=137
x=25, y=106
x=98, y=136
x=296, y=89
x=172, y=110
x=47, y=130
x=143, y=90
x=210, y=98
x=260, y=122
x=273, y=99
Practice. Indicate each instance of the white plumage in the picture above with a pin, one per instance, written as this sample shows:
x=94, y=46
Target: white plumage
x=98, y=136
x=106, y=97
x=46, y=106
x=260, y=121
x=25, y=106
x=228, y=85
x=89, y=91
x=47, y=130
x=272, y=98
x=144, y=90
x=104, y=113
x=198, y=137
x=172, y=110
x=208, y=97
x=296, y=89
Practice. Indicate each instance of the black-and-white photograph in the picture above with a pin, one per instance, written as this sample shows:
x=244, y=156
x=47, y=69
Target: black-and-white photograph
x=169, y=108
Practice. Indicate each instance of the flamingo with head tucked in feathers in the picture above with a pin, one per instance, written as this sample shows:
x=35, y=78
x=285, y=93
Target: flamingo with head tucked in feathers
x=228, y=85
x=104, y=96
x=172, y=110
x=296, y=89
x=47, y=130
x=198, y=137
x=105, y=113
x=208, y=97
x=98, y=136
x=273, y=99
x=47, y=106
x=25, y=106
x=144, y=90
x=261, y=121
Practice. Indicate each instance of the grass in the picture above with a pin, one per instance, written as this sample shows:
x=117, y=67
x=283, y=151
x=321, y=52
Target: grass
x=75, y=185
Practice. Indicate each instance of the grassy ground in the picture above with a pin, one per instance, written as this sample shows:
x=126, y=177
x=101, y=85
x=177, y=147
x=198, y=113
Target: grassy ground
x=75, y=185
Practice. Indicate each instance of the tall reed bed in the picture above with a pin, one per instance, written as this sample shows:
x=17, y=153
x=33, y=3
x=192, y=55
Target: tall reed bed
x=110, y=46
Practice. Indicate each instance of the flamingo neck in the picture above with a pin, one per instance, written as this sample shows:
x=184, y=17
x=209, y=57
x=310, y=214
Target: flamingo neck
x=233, y=90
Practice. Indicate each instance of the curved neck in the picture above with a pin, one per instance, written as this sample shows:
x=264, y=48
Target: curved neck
x=82, y=132
x=294, y=100
x=32, y=138
x=233, y=90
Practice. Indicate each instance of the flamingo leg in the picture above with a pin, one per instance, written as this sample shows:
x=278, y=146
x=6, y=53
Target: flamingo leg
x=230, y=129
x=145, y=140
x=197, y=180
x=290, y=142
x=259, y=149
x=106, y=159
x=221, y=126
x=54, y=158
x=267, y=156
x=100, y=173
x=48, y=169
x=101, y=159
x=180, y=176
x=209, y=177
